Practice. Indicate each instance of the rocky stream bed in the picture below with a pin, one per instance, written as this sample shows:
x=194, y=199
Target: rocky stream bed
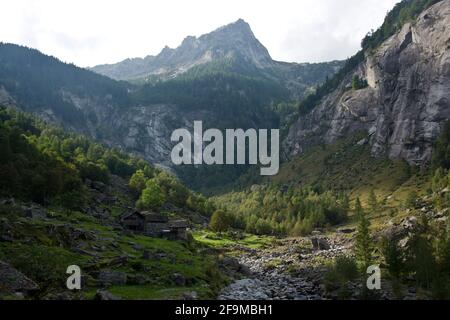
x=291, y=270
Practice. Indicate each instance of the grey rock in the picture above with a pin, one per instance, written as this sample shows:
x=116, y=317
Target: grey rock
x=8, y=202
x=105, y=295
x=137, y=279
x=230, y=263
x=178, y=279
x=107, y=278
x=191, y=295
x=35, y=212
x=410, y=224
x=99, y=186
x=406, y=103
x=13, y=281
x=320, y=243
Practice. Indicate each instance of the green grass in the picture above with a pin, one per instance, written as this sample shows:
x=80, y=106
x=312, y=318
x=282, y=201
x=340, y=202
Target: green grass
x=46, y=265
x=274, y=263
x=44, y=256
x=223, y=240
x=345, y=166
x=156, y=293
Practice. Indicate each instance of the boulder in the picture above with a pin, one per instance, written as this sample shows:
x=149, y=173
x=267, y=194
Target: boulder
x=8, y=202
x=105, y=295
x=99, y=186
x=137, y=279
x=245, y=270
x=148, y=255
x=230, y=263
x=6, y=234
x=35, y=212
x=410, y=224
x=118, y=261
x=107, y=278
x=13, y=281
x=320, y=243
x=231, y=266
x=178, y=279
x=191, y=295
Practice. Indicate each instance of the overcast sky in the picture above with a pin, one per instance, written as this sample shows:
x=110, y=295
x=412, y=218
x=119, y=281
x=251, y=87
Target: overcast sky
x=91, y=32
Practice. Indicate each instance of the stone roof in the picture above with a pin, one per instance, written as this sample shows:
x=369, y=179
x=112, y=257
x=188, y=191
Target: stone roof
x=178, y=224
x=154, y=217
x=130, y=213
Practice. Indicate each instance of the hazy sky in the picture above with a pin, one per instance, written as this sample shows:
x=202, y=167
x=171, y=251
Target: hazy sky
x=90, y=32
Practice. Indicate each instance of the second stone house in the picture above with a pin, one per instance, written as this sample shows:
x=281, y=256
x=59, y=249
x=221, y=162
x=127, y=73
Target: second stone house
x=154, y=225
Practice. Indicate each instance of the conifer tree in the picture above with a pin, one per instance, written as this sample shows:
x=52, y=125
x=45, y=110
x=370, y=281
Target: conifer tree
x=373, y=202
x=363, y=246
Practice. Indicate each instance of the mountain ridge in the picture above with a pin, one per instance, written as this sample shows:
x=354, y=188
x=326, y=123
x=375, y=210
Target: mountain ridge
x=234, y=44
x=139, y=117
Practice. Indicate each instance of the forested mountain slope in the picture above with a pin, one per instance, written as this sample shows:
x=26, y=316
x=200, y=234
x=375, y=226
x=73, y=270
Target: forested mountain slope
x=139, y=118
x=62, y=197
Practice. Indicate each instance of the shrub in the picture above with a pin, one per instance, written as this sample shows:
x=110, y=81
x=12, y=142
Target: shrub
x=152, y=197
x=137, y=182
x=411, y=199
x=343, y=270
x=220, y=221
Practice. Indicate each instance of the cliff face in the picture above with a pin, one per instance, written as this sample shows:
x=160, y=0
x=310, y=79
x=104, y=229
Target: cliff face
x=407, y=100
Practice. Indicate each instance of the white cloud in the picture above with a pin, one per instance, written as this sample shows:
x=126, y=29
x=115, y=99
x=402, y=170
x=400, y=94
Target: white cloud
x=90, y=32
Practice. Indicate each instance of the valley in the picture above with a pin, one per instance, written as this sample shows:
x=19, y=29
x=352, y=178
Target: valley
x=87, y=177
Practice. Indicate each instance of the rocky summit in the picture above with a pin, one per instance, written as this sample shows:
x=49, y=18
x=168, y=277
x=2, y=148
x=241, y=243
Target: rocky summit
x=233, y=41
x=231, y=48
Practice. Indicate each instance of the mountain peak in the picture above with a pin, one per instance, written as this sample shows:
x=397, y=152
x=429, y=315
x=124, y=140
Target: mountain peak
x=234, y=41
x=240, y=26
x=241, y=23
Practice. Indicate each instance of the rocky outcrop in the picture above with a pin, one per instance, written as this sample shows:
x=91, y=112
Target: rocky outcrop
x=14, y=282
x=407, y=100
x=107, y=278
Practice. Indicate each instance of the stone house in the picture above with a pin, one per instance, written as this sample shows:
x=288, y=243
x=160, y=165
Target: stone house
x=178, y=229
x=133, y=220
x=154, y=225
